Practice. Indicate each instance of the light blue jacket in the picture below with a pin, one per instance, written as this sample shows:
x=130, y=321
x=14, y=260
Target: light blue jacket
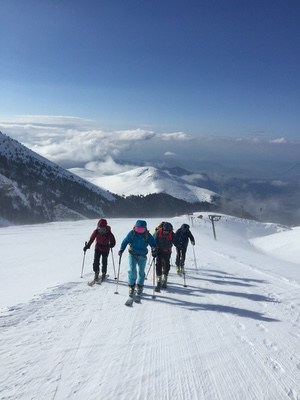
x=138, y=242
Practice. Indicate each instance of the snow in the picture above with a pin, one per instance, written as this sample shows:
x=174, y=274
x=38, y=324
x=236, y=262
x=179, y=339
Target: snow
x=286, y=246
x=231, y=334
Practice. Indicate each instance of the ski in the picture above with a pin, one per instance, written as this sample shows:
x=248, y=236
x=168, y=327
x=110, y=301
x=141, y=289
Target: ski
x=135, y=298
x=129, y=302
x=98, y=281
x=92, y=283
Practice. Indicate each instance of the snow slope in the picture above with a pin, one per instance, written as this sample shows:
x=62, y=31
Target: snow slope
x=147, y=180
x=231, y=334
x=286, y=246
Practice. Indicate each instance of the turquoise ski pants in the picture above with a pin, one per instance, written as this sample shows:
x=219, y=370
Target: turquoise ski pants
x=136, y=269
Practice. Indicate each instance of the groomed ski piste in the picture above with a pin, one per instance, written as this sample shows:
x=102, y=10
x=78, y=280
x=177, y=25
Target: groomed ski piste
x=233, y=333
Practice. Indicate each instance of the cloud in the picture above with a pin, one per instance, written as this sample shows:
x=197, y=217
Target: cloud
x=136, y=134
x=107, y=167
x=194, y=178
x=64, y=139
x=278, y=183
x=278, y=141
x=74, y=142
x=178, y=136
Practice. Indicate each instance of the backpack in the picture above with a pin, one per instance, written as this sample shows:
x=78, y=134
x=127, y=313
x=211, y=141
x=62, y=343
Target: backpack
x=165, y=232
x=145, y=235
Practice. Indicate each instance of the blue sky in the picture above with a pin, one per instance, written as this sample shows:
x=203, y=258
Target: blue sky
x=202, y=67
x=83, y=80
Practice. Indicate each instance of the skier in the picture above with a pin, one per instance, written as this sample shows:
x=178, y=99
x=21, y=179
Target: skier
x=165, y=238
x=105, y=240
x=183, y=234
x=138, y=240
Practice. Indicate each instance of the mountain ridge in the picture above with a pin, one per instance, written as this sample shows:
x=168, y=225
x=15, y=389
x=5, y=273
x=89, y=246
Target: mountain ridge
x=145, y=180
x=36, y=190
x=33, y=189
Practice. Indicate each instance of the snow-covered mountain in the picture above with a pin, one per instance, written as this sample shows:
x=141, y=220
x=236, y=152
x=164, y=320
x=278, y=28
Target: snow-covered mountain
x=232, y=333
x=33, y=189
x=148, y=180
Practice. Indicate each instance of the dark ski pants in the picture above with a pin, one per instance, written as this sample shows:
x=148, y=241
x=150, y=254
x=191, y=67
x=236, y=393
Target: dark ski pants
x=180, y=256
x=96, y=263
x=163, y=263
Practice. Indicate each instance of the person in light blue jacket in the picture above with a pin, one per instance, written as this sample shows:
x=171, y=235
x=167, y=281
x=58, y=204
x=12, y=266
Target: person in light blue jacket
x=138, y=239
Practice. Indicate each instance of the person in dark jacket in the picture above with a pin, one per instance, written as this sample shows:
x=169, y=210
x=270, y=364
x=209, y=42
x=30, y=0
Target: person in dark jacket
x=183, y=235
x=165, y=238
x=105, y=240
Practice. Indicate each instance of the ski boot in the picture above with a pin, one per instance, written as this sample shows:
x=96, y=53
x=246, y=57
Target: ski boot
x=138, y=294
x=164, y=282
x=140, y=289
x=96, y=277
x=158, y=285
x=131, y=290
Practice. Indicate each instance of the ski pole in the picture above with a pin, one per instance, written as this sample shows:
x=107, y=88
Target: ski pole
x=113, y=261
x=146, y=277
x=153, y=294
x=116, y=292
x=195, y=259
x=83, y=262
x=184, y=281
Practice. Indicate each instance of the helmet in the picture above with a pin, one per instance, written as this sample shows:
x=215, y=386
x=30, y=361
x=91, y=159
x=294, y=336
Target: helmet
x=140, y=226
x=167, y=226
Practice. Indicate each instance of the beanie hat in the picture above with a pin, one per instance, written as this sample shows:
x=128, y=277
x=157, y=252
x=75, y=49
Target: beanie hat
x=102, y=223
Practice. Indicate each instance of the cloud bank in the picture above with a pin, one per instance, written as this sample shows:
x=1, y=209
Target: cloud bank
x=77, y=142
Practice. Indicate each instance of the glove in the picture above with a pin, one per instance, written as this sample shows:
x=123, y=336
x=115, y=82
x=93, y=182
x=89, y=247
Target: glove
x=120, y=253
x=154, y=253
x=193, y=243
x=86, y=247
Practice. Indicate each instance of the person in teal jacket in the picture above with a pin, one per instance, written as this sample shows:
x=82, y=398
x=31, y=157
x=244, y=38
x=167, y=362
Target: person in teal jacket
x=138, y=239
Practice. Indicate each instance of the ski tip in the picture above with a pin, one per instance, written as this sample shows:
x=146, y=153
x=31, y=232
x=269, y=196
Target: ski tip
x=128, y=304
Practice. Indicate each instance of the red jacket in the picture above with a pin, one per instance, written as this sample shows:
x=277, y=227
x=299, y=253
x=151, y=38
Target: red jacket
x=104, y=241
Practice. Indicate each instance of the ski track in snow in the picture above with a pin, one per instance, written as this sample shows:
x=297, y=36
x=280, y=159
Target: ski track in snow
x=233, y=333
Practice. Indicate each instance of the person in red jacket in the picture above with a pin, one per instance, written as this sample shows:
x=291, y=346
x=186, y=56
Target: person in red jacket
x=105, y=241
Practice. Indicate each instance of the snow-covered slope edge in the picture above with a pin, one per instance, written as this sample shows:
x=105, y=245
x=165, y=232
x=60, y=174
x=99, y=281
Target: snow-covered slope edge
x=284, y=245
